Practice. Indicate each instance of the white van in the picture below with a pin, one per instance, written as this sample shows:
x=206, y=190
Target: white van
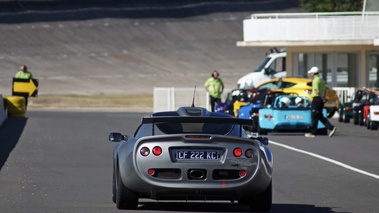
x=274, y=66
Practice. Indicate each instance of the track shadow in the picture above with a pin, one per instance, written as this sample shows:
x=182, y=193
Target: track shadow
x=10, y=133
x=49, y=11
x=228, y=207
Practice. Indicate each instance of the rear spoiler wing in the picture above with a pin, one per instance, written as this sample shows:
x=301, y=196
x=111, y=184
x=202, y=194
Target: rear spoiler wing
x=193, y=119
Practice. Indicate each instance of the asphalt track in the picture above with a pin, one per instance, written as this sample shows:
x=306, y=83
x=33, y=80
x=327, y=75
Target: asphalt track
x=60, y=161
x=128, y=48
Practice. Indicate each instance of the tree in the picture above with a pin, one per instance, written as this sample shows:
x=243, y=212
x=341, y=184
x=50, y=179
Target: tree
x=332, y=5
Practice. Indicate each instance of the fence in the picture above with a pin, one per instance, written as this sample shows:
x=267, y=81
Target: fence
x=171, y=98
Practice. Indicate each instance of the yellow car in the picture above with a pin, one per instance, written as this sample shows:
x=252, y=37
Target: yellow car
x=302, y=87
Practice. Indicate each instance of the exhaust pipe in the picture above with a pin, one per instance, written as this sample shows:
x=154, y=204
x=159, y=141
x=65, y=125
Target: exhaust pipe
x=197, y=174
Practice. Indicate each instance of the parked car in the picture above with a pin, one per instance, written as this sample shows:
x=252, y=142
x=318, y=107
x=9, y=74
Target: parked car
x=345, y=112
x=362, y=110
x=355, y=109
x=289, y=113
x=192, y=154
x=373, y=117
x=302, y=87
x=361, y=98
x=260, y=99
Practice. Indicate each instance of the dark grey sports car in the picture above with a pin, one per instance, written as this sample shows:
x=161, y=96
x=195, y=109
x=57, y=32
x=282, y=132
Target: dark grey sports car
x=192, y=154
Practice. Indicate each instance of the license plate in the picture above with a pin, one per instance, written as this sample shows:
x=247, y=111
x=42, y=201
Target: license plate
x=294, y=117
x=197, y=155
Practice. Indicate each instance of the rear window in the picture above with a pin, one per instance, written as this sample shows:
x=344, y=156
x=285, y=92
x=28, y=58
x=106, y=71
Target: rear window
x=207, y=128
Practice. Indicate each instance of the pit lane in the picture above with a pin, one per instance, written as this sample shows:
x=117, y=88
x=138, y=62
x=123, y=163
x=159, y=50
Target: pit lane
x=60, y=161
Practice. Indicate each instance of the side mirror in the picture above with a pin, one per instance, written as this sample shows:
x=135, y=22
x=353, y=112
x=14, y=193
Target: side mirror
x=116, y=137
x=263, y=140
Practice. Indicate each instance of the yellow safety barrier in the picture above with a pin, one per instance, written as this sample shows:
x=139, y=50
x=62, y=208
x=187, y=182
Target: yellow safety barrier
x=15, y=106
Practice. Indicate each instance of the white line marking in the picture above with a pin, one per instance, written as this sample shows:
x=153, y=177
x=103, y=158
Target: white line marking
x=326, y=159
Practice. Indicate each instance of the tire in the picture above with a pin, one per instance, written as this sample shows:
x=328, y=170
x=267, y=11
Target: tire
x=263, y=201
x=374, y=125
x=331, y=112
x=356, y=119
x=340, y=116
x=361, y=121
x=114, y=186
x=346, y=119
x=368, y=122
x=125, y=198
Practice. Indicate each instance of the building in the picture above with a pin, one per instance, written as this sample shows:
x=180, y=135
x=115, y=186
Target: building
x=345, y=46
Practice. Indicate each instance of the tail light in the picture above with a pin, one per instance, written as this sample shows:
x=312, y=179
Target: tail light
x=157, y=150
x=243, y=173
x=198, y=137
x=237, y=152
x=151, y=172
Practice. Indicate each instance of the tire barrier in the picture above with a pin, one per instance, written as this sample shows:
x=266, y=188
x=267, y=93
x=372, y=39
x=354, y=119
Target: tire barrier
x=15, y=106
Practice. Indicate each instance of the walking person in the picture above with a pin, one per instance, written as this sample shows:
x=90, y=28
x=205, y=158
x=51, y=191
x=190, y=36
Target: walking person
x=214, y=86
x=318, y=96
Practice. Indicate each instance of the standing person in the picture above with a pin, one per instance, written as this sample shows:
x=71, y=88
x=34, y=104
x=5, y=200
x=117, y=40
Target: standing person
x=318, y=96
x=23, y=73
x=214, y=86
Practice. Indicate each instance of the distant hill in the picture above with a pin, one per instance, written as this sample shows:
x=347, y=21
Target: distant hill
x=127, y=46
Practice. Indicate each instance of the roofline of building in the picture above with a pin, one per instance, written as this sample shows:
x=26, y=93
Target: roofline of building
x=289, y=43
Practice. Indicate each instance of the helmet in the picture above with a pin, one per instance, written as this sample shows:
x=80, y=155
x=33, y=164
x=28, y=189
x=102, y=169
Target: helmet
x=285, y=100
x=298, y=100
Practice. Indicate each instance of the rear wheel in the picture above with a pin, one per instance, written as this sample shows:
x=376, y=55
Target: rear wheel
x=114, y=187
x=340, y=116
x=374, y=125
x=356, y=119
x=125, y=198
x=263, y=201
x=361, y=121
x=346, y=119
x=368, y=122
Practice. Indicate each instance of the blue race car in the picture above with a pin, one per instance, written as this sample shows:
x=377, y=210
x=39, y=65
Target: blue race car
x=260, y=99
x=289, y=113
x=232, y=96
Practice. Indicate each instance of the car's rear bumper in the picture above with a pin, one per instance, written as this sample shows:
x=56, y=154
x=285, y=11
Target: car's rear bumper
x=221, y=181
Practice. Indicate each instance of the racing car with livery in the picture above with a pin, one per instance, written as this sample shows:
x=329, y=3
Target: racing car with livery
x=289, y=113
x=192, y=154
